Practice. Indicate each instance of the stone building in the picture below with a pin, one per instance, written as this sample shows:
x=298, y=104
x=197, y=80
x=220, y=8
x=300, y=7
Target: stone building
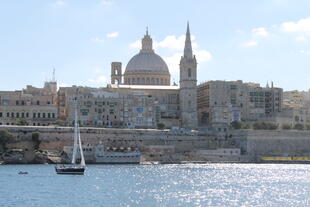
x=148, y=73
x=220, y=102
x=106, y=107
x=296, y=108
x=143, y=95
x=30, y=106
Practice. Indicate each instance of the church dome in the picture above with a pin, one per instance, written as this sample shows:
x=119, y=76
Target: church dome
x=147, y=63
x=146, y=67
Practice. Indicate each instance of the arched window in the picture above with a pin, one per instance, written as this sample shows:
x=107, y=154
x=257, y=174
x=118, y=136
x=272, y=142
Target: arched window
x=143, y=81
x=189, y=72
x=152, y=81
x=148, y=81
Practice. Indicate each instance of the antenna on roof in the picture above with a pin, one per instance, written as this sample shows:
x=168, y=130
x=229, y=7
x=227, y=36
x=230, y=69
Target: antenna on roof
x=54, y=79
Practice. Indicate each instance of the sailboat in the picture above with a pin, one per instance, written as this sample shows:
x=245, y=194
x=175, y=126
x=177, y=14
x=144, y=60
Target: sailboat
x=74, y=168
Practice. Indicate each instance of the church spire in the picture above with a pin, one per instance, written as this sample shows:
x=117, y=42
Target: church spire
x=188, y=52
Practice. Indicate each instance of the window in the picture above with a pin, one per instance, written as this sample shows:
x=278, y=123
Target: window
x=39, y=115
x=23, y=102
x=27, y=114
x=23, y=114
x=38, y=102
x=49, y=115
x=189, y=72
x=0, y=114
x=17, y=115
x=43, y=115
x=34, y=115
x=17, y=102
x=53, y=115
x=12, y=114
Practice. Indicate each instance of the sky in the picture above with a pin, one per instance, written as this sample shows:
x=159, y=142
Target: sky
x=251, y=40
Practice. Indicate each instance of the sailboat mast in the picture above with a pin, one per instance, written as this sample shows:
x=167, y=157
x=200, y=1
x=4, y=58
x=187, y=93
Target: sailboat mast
x=75, y=133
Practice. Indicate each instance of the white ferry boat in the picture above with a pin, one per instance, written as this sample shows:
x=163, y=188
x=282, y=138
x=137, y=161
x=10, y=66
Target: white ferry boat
x=97, y=154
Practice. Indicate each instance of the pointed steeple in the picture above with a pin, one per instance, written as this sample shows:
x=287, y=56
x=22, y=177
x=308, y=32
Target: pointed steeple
x=188, y=52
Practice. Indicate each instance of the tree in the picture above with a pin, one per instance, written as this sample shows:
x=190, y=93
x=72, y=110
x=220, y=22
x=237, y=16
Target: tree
x=245, y=125
x=35, y=138
x=160, y=126
x=286, y=126
x=5, y=137
x=21, y=122
x=265, y=126
x=235, y=124
x=299, y=126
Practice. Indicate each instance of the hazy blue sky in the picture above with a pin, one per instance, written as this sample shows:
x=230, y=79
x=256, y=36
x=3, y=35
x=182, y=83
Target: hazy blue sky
x=249, y=40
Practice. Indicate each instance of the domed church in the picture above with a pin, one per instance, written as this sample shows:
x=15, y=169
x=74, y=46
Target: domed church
x=147, y=73
x=145, y=68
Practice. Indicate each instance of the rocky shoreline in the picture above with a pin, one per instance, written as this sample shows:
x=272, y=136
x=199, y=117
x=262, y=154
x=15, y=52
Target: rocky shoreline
x=20, y=156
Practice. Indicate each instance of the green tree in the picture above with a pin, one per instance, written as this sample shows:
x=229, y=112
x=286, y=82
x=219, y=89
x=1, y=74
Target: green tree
x=235, y=124
x=265, y=126
x=21, y=122
x=245, y=125
x=299, y=126
x=160, y=126
x=286, y=126
x=36, y=139
x=5, y=137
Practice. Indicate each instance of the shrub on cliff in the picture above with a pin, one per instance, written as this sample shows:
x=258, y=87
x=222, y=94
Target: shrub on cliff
x=265, y=126
x=286, y=126
x=235, y=124
x=299, y=126
x=36, y=139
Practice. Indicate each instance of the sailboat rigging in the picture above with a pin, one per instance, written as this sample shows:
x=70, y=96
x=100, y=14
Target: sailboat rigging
x=74, y=168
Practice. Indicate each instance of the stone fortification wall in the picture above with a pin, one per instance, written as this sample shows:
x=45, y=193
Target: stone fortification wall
x=277, y=143
x=54, y=138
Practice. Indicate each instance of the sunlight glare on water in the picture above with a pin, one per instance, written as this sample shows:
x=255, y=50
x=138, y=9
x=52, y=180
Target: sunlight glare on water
x=158, y=185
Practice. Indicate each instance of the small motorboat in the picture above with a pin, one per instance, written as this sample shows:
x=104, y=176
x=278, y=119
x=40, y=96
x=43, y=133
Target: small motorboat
x=22, y=172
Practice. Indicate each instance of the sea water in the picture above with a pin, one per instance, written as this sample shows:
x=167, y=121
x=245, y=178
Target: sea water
x=157, y=185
